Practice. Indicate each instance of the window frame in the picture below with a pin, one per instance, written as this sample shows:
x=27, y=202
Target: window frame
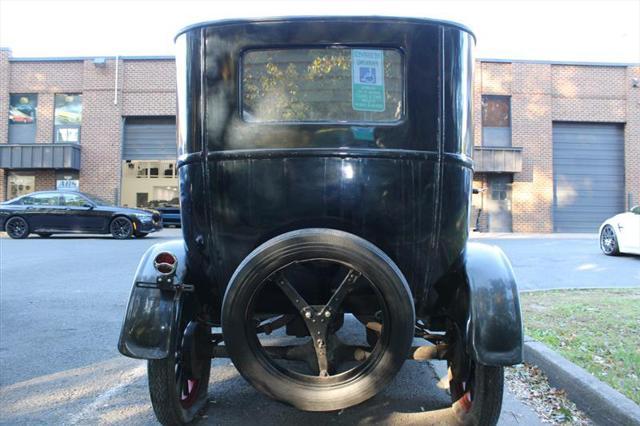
x=483, y=126
x=23, y=133
x=35, y=107
x=50, y=194
x=57, y=127
x=387, y=123
x=85, y=201
x=8, y=181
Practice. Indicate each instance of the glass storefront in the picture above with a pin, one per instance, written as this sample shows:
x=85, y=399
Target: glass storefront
x=20, y=183
x=149, y=183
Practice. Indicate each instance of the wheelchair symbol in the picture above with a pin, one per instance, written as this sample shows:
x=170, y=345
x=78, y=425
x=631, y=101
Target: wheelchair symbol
x=368, y=75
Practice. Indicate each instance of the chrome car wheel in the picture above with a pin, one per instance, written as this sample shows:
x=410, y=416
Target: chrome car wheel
x=608, y=241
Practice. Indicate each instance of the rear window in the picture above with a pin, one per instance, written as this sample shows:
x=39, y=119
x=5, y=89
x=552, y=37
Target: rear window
x=322, y=85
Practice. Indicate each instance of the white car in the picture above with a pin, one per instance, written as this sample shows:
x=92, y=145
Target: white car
x=621, y=233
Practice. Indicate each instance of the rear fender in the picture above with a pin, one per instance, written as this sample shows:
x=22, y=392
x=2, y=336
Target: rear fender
x=494, y=325
x=152, y=314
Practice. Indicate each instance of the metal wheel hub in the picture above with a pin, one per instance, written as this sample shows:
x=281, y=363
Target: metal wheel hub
x=16, y=227
x=608, y=240
x=325, y=354
x=121, y=227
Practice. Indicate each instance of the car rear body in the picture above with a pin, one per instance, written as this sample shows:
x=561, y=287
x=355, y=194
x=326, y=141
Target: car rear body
x=402, y=182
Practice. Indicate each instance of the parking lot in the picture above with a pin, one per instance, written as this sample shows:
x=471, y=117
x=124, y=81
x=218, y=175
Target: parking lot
x=550, y=261
x=62, y=300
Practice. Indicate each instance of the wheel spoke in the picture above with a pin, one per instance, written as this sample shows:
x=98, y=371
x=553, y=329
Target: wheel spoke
x=185, y=388
x=320, y=345
x=316, y=318
x=292, y=294
x=315, y=321
x=341, y=292
x=268, y=326
x=179, y=376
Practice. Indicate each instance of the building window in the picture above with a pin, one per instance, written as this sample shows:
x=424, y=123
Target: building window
x=148, y=183
x=67, y=117
x=20, y=184
x=496, y=121
x=22, y=118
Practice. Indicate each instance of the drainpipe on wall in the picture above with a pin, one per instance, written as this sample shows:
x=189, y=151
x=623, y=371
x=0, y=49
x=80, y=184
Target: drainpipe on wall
x=118, y=194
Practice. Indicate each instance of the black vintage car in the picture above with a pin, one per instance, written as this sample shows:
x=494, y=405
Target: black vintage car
x=68, y=212
x=325, y=181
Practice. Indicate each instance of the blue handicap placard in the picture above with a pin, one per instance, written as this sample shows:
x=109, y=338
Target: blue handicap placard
x=367, y=80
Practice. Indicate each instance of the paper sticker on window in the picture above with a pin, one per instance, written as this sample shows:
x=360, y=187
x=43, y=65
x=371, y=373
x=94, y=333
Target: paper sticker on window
x=367, y=80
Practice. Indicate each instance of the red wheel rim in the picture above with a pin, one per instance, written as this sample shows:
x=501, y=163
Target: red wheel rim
x=187, y=399
x=465, y=401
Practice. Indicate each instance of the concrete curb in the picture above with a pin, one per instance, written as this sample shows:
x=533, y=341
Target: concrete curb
x=603, y=404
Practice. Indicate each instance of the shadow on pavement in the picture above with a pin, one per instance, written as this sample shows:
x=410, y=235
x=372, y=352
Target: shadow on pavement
x=115, y=392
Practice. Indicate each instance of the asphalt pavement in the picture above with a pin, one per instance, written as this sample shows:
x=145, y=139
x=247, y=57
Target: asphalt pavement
x=557, y=261
x=61, y=305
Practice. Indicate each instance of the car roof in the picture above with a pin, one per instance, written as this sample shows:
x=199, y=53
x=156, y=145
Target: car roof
x=50, y=191
x=355, y=18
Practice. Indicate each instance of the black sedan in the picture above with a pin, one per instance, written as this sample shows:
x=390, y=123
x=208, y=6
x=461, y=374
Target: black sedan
x=63, y=212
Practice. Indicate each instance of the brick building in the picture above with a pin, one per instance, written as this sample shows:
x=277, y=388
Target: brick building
x=557, y=145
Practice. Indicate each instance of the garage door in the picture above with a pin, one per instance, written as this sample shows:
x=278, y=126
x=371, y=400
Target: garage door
x=588, y=175
x=149, y=139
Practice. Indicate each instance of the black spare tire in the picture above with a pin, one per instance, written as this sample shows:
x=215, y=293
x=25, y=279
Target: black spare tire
x=365, y=263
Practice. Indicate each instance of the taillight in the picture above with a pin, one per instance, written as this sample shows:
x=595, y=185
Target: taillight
x=165, y=263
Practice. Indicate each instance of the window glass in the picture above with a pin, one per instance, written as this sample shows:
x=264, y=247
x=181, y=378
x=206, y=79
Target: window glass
x=49, y=199
x=22, y=108
x=499, y=188
x=97, y=200
x=325, y=85
x=67, y=117
x=149, y=183
x=73, y=200
x=496, y=111
x=65, y=134
x=20, y=184
x=496, y=121
x=636, y=210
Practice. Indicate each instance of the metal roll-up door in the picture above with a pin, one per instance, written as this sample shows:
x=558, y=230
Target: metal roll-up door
x=588, y=175
x=149, y=138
